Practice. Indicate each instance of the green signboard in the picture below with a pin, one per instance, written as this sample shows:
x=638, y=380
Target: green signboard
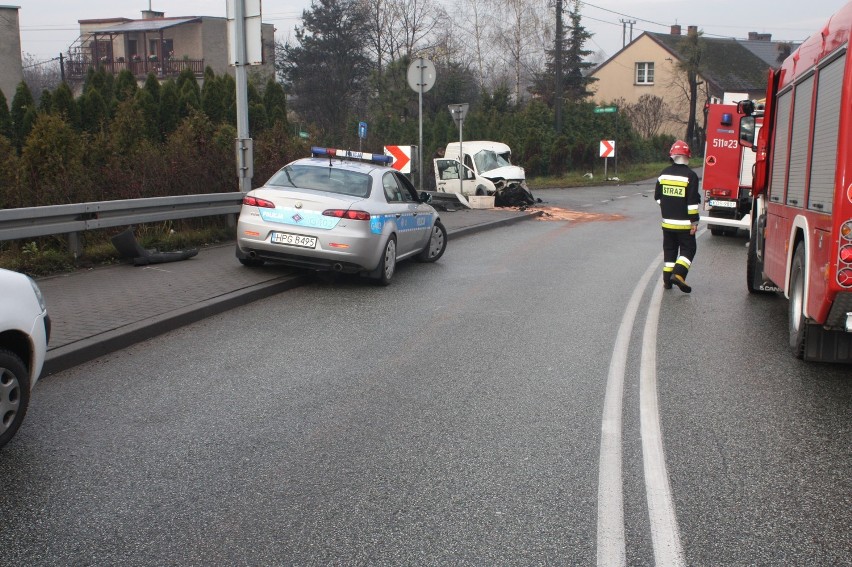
x=303, y=135
x=602, y=109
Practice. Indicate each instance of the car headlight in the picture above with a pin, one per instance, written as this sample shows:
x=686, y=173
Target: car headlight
x=38, y=294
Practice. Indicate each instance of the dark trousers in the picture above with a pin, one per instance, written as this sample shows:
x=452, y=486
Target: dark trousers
x=678, y=251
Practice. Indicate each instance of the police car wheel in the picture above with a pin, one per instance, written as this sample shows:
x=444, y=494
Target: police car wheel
x=387, y=266
x=14, y=394
x=437, y=244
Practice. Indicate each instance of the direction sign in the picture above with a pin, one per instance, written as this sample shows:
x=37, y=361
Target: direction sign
x=362, y=130
x=458, y=112
x=603, y=109
x=607, y=148
x=401, y=157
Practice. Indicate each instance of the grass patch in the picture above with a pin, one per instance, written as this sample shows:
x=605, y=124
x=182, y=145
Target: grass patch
x=626, y=174
x=50, y=255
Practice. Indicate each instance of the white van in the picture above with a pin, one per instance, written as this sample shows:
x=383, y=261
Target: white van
x=487, y=169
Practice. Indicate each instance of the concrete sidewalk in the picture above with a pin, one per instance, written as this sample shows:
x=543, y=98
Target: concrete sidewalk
x=101, y=310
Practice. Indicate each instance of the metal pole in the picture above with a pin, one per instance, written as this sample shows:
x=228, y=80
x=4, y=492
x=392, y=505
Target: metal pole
x=461, y=159
x=240, y=75
x=615, y=139
x=420, y=145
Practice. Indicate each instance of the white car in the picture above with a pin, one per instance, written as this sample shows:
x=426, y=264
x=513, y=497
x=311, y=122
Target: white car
x=24, y=332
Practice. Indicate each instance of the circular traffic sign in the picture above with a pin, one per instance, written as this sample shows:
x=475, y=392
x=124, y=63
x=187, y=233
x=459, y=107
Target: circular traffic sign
x=421, y=75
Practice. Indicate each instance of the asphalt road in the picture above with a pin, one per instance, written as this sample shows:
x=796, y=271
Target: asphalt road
x=453, y=418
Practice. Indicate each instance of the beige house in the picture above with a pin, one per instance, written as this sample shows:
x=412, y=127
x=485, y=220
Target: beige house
x=159, y=45
x=11, y=68
x=649, y=66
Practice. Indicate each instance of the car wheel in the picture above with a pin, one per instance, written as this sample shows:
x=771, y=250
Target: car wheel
x=387, y=266
x=14, y=394
x=437, y=244
x=798, y=325
x=251, y=262
x=481, y=191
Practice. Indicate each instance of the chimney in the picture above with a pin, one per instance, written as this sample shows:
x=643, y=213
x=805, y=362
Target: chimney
x=152, y=15
x=675, y=29
x=754, y=36
x=691, y=30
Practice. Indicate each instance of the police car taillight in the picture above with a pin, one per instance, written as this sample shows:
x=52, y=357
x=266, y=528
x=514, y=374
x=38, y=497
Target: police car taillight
x=255, y=202
x=331, y=152
x=344, y=214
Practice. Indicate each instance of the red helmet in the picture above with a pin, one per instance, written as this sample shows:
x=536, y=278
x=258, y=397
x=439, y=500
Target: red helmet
x=680, y=148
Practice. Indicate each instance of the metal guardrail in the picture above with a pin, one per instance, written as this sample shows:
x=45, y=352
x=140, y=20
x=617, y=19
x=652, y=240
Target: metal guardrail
x=30, y=222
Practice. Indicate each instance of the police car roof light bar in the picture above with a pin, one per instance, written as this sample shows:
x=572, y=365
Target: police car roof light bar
x=331, y=152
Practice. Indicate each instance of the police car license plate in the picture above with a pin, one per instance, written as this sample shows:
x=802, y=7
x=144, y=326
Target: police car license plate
x=294, y=239
x=717, y=203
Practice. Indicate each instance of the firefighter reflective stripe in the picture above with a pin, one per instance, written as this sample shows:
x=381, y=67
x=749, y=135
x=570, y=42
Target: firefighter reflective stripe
x=684, y=261
x=668, y=267
x=680, y=180
x=692, y=208
x=677, y=224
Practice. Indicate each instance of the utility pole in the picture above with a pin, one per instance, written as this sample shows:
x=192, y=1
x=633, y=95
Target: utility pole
x=624, y=24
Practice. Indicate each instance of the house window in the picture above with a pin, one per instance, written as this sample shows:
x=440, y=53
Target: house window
x=644, y=73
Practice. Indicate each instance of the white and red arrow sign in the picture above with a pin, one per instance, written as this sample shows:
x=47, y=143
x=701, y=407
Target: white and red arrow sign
x=401, y=157
x=607, y=148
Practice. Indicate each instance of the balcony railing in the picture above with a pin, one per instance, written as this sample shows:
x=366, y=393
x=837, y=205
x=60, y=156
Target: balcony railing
x=79, y=68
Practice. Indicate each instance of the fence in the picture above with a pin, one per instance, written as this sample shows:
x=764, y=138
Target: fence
x=30, y=222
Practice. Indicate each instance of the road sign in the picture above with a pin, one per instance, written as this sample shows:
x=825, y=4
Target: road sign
x=458, y=112
x=401, y=157
x=421, y=75
x=362, y=130
x=304, y=135
x=607, y=148
x=604, y=109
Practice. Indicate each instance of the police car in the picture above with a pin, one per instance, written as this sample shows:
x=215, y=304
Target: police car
x=339, y=210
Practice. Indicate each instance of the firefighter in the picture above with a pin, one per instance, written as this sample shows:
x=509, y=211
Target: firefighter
x=677, y=194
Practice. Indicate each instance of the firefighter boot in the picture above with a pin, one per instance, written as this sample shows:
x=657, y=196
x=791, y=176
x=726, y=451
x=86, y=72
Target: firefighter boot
x=678, y=280
x=667, y=280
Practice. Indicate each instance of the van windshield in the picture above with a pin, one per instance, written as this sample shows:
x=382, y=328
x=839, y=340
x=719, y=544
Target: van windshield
x=486, y=160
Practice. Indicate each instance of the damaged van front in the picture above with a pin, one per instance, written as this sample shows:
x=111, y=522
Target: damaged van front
x=487, y=170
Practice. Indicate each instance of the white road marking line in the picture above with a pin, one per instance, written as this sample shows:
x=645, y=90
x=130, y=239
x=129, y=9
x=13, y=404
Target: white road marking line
x=610, y=536
x=664, y=529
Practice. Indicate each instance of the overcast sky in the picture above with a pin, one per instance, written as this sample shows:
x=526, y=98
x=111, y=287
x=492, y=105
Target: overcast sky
x=49, y=27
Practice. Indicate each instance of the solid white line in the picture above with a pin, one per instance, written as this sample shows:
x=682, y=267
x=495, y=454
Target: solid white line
x=610, y=537
x=664, y=530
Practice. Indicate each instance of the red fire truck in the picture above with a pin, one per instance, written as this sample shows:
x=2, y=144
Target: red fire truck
x=727, y=178
x=801, y=237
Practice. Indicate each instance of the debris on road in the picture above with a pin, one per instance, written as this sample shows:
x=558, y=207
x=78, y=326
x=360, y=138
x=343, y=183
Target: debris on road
x=549, y=213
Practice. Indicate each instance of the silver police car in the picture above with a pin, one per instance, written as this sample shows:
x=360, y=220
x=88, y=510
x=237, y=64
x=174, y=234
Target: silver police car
x=339, y=210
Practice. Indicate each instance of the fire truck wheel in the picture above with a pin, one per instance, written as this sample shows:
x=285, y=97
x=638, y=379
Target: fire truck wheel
x=751, y=261
x=797, y=322
x=716, y=230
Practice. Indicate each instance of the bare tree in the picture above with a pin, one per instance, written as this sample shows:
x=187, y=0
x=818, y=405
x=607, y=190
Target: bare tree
x=648, y=114
x=523, y=38
x=40, y=75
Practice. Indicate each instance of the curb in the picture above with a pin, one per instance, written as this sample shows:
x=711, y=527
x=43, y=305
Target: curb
x=473, y=229
x=71, y=355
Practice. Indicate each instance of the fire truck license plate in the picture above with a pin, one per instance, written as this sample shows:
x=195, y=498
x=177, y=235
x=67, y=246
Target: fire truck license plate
x=717, y=203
